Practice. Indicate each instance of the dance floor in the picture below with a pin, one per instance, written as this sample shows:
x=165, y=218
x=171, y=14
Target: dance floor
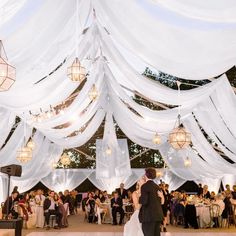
x=121, y=234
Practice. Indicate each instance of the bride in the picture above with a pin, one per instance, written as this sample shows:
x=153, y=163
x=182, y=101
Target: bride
x=133, y=226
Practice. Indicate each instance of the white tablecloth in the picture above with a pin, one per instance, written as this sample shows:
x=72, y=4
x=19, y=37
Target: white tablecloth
x=203, y=212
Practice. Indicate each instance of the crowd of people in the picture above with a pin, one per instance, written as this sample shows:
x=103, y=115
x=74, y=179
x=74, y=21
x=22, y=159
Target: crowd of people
x=178, y=208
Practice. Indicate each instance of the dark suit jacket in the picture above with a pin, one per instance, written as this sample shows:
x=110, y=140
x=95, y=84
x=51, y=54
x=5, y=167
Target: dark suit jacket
x=118, y=201
x=4, y=209
x=151, y=210
x=124, y=194
x=47, y=204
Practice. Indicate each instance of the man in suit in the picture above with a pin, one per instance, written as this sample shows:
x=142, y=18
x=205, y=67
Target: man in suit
x=122, y=192
x=51, y=208
x=116, y=206
x=150, y=214
x=9, y=203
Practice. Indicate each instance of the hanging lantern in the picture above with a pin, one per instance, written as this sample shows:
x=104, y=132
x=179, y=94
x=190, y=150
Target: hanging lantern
x=65, y=160
x=31, y=144
x=93, y=93
x=108, y=151
x=187, y=162
x=7, y=72
x=179, y=138
x=24, y=155
x=156, y=139
x=76, y=72
x=159, y=173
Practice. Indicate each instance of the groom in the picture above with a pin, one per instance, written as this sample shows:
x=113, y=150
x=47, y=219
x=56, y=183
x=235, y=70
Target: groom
x=150, y=214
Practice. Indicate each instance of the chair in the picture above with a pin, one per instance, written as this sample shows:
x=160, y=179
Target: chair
x=215, y=215
x=129, y=210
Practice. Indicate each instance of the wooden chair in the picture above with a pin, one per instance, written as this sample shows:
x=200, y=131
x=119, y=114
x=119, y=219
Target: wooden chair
x=215, y=215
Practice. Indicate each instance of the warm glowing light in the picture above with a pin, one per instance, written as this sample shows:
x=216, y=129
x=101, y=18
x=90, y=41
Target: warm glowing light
x=93, y=93
x=108, y=151
x=187, y=162
x=76, y=72
x=31, y=144
x=156, y=139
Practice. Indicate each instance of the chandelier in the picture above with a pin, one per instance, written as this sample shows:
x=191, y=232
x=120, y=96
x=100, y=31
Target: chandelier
x=93, y=93
x=156, y=139
x=76, y=72
x=24, y=155
x=65, y=160
x=7, y=72
x=108, y=151
x=31, y=144
x=187, y=162
x=179, y=138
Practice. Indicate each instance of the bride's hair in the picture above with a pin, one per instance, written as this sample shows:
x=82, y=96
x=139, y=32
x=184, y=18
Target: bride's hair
x=137, y=186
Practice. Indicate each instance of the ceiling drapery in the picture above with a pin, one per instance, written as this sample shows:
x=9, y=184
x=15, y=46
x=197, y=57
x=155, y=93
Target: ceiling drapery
x=101, y=34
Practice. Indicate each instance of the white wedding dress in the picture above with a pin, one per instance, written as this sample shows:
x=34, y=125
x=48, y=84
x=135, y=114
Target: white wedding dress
x=133, y=226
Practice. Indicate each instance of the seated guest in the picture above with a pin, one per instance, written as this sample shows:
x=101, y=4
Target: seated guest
x=212, y=196
x=206, y=193
x=122, y=192
x=219, y=201
x=50, y=208
x=116, y=205
x=11, y=200
x=90, y=204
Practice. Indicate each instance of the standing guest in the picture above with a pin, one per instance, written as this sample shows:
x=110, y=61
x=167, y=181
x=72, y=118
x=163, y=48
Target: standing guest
x=62, y=210
x=90, y=204
x=122, y=192
x=51, y=208
x=165, y=205
x=116, y=206
x=66, y=198
x=234, y=192
x=96, y=194
x=24, y=204
x=200, y=189
x=228, y=208
x=9, y=204
x=228, y=190
x=150, y=214
x=39, y=212
x=206, y=194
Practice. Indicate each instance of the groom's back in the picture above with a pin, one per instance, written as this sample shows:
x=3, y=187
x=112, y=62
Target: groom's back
x=151, y=203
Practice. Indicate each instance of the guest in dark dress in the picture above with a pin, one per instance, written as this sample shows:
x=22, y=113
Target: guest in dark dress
x=206, y=194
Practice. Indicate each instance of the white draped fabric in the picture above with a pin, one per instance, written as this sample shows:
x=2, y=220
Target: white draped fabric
x=112, y=155
x=181, y=39
x=170, y=41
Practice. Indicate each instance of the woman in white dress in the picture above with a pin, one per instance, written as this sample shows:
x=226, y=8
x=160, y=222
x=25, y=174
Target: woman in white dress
x=133, y=226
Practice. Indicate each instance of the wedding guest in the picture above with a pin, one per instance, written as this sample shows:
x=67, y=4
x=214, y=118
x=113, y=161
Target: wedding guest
x=50, y=208
x=212, y=196
x=8, y=207
x=96, y=194
x=66, y=198
x=234, y=192
x=39, y=212
x=91, y=204
x=165, y=205
x=200, y=189
x=228, y=208
x=227, y=189
x=116, y=206
x=25, y=207
x=206, y=193
x=62, y=210
x=122, y=192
